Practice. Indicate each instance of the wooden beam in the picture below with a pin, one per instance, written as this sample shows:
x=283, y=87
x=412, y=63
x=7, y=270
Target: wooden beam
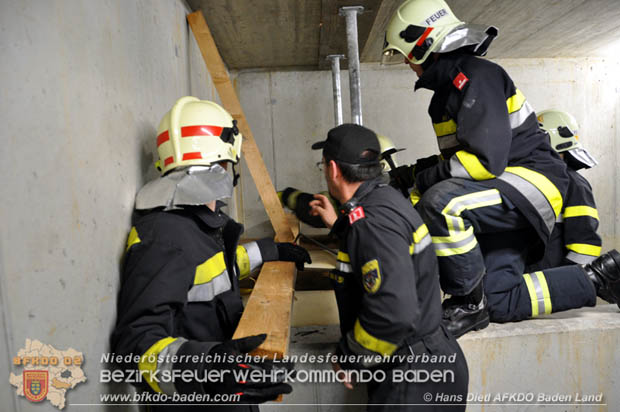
x=230, y=101
x=269, y=308
x=373, y=46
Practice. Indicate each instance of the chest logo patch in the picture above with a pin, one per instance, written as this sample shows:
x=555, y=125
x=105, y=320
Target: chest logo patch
x=356, y=214
x=460, y=81
x=371, y=276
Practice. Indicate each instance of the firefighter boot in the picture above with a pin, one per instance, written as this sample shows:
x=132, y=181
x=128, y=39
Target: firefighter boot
x=604, y=272
x=462, y=314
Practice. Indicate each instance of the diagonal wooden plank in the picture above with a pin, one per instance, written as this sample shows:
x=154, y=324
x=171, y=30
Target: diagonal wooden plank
x=371, y=49
x=230, y=101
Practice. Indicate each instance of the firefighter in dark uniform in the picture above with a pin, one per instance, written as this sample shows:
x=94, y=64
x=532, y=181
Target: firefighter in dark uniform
x=179, y=301
x=574, y=238
x=492, y=198
x=386, y=280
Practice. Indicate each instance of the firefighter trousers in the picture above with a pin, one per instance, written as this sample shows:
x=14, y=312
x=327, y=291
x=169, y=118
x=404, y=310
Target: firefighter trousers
x=409, y=386
x=477, y=232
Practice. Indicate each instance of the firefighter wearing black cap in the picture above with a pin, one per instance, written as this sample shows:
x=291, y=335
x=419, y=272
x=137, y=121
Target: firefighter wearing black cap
x=386, y=280
x=491, y=200
x=299, y=201
x=179, y=301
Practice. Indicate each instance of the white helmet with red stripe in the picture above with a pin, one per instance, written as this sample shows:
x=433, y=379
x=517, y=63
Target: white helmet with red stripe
x=421, y=27
x=197, y=132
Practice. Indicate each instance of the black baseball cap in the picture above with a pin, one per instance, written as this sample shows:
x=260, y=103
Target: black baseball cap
x=347, y=142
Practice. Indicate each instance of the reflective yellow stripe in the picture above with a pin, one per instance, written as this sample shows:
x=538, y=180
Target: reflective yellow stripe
x=369, y=342
x=243, y=261
x=456, y=237
x=548, y=189
x=445, y=128
x=411, y=249
x=414, y=197
x=133, y=238
x=472, y=164
x=343, y=257
x=584, y=249
x=515, y=102
x=456, y=206
x=420, y=233
x=212, y=267
x=577, y=211
x=546, y=294
x=292, y=199
x=457, y=250
x=148, y=362
x=532, y=291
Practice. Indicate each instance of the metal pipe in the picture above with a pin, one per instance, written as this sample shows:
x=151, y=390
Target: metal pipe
x=335, y=60
x=350, y=13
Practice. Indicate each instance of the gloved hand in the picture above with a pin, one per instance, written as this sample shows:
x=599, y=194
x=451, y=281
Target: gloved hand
x=402, y=178
x=288, y=252
x=238, y=377
x=425, y=163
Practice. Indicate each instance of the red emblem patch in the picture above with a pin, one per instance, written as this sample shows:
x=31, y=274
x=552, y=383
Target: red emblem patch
x=460, y=81
x=356, y=214
x=35, y=385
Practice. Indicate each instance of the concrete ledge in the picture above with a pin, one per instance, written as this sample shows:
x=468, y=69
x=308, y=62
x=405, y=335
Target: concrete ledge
x=573, y=353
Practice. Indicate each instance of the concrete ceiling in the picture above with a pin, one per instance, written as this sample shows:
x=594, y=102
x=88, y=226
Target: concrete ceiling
x=299, y=34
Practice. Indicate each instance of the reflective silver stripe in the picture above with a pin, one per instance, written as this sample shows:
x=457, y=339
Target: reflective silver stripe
x=457, y=169
x=205, y=292
x=560, y=218
x=422, y=244
x=540, y=296
x=447, y=142
x=344, y=267
x=253, y=251
x=535, y=196
x=453, y=214
x=517, y=118
x=454, y=245
x=579, y=258
x=164, y=363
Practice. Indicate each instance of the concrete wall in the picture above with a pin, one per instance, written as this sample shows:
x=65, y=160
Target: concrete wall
x=83, y=87
x=289, y=110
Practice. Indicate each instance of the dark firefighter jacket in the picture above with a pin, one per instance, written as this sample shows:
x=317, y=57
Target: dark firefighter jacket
x=488, y=132
x=574, y=239
x=386, y=280
x=179, y=290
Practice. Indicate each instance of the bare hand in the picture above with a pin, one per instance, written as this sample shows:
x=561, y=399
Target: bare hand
x=346, y=378
x=321, y=206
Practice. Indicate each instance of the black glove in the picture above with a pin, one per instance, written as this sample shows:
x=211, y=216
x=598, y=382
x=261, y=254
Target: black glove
x=287, y=252
x=237, y=376
x=425, y=163
x=402, y=178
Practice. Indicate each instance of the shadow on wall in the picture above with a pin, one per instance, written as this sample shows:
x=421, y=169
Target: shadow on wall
x=146, y=171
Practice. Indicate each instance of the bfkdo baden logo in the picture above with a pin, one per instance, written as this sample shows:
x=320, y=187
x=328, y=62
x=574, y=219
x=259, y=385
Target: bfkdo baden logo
x=47, y=373
x=35, y=385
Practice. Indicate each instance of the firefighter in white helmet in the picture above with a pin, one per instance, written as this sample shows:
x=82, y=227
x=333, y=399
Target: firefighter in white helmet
x=492, y=198
x=179, y=302
x=574, y=238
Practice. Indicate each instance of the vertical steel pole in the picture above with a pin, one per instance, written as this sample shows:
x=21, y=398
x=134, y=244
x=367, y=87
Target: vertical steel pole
x=335, y=61
x=350, y=14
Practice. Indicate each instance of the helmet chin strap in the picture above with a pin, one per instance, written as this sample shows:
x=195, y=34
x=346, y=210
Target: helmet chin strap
x=235, y=175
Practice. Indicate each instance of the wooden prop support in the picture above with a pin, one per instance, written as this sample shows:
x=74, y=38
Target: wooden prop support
x=269, y=307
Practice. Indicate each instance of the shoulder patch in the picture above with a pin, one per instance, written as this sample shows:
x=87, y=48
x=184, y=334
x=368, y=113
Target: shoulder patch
x=371, y=276
x=356, y=214
x=460, y=80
